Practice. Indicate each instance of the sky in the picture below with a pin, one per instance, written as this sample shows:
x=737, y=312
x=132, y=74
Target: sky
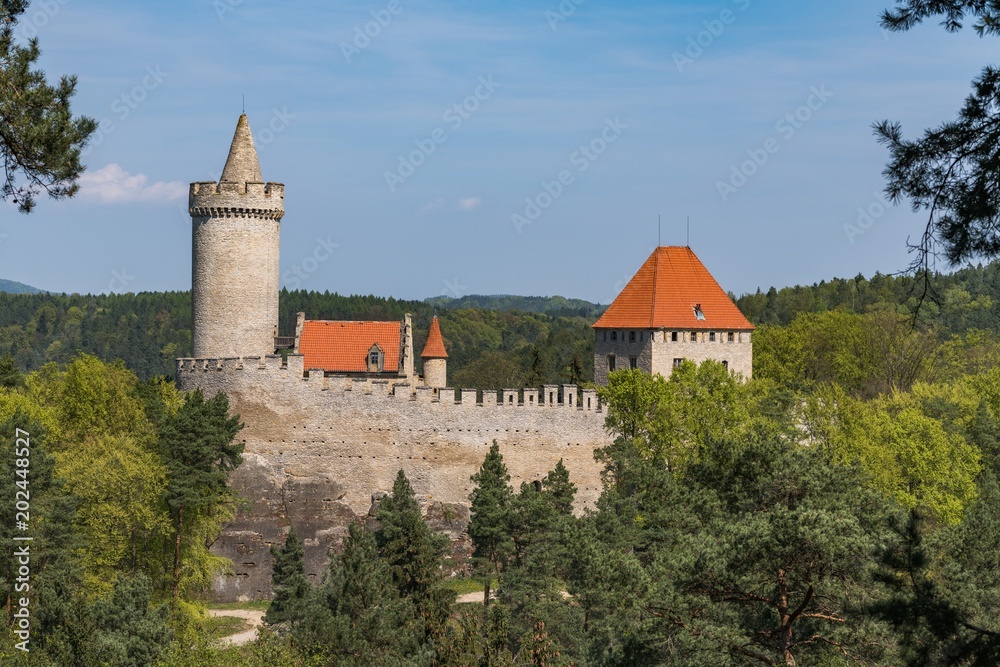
x=431, y=147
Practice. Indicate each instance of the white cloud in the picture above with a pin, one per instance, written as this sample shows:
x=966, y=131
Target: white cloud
x=469, y=204
x=113, y=185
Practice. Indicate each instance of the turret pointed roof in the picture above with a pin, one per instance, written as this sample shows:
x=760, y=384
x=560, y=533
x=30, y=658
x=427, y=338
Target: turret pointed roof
x=434, y=349
x=242, y=165
x=673, y=290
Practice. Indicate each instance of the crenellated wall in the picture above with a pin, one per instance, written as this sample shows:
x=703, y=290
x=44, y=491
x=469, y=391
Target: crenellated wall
x=320, y=447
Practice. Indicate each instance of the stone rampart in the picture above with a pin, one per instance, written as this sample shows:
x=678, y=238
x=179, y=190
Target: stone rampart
x=320, y=447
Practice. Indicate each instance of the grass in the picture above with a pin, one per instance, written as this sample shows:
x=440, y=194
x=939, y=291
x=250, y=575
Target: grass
x=251, y=605
x=465, y=585
x=224, y=626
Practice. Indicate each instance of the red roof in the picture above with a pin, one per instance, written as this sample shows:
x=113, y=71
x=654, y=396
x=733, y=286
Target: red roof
x=666, y=293
x=434, y=349
x=343, y=346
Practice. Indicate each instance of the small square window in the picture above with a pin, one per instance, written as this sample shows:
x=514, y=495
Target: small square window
x=698, y=312
x=611, y=362
x=694, y=337
x=633, y=362
x=673, y=336
x=725, y=364
x=730, y=336
x=678, y=361
x=631, y=336
x=711, y=336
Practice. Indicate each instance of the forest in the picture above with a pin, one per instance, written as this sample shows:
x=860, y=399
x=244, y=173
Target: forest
x=840, y=508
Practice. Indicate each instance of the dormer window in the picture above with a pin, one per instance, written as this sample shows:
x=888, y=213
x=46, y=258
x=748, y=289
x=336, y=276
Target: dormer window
x=698, y=312
x=375, y=359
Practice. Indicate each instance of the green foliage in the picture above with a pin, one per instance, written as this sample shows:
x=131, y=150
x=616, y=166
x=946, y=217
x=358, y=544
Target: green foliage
x=356, y=617
x=413, y=553
x=197, y=446
x=10, y=374
x=289, y=585
x=490, y=514
x=129, y=631
x=40, y=140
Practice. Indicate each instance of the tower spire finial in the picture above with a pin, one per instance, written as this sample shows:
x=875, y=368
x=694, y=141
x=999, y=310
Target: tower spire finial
x=242, y=165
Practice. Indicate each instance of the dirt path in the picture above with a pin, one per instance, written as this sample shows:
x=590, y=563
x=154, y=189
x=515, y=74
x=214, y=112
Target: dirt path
x=254, y=617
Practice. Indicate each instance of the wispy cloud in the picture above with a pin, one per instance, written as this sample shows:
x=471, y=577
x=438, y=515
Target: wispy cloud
x=469, y=203
x=113, y=185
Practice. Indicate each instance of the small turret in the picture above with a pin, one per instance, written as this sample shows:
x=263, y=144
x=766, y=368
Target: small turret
x=435, y=358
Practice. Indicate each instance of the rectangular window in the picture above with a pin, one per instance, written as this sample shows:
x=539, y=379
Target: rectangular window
x=633, y=362
x=631, y=336
x=614, y=335
x=725, y=364
x=730, y=336
x=673, y=336
x=711, y=336
x=605, y=336
x=611, y=362
x=694, y=337
x=678, y=361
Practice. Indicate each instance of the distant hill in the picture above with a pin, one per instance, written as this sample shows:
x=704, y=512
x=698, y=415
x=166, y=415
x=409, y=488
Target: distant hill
x=14, y=287
x=548, y=305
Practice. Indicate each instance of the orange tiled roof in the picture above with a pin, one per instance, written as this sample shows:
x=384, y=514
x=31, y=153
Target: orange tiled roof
x=664, y=293
x=343, y=346
x=434, y=349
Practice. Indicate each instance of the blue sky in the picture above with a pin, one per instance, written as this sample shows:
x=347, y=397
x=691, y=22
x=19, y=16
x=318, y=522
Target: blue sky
x=496, y=147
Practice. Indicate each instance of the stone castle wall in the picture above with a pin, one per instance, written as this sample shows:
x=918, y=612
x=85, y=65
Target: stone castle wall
x=319, y=448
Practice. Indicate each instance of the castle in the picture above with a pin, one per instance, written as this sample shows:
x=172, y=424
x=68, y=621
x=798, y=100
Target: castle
x=329, y=423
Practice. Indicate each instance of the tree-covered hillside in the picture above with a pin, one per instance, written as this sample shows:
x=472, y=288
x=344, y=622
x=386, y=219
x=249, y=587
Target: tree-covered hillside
x=149, y=330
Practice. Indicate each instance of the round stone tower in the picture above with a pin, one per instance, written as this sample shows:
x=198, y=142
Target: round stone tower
x=435, y=358
x=234, y=282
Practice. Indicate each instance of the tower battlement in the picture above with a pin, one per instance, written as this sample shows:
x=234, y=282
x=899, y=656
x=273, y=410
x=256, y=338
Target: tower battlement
x=227, y=199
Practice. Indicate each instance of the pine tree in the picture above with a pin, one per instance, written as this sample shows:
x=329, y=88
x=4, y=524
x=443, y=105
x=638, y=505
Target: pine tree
x=197, y=444
x=288, y=582
x=10, y=375
x=40, y=140
x=356, y=617
x=490, y=517
x=413, y=553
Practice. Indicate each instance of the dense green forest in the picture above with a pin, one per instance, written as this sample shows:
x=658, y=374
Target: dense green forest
x=148, y=331
x=499, y=341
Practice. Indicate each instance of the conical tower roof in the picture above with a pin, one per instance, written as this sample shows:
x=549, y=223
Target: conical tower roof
x=673, y=290
x=434, y=349
x=242, y=165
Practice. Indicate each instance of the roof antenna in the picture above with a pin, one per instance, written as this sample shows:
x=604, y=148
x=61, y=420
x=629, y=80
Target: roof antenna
x=244, y=105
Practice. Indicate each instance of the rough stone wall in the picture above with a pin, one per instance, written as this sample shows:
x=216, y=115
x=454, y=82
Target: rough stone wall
x=623, y=350
x=320, y=448
x=738, y=354
x=235, y=267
